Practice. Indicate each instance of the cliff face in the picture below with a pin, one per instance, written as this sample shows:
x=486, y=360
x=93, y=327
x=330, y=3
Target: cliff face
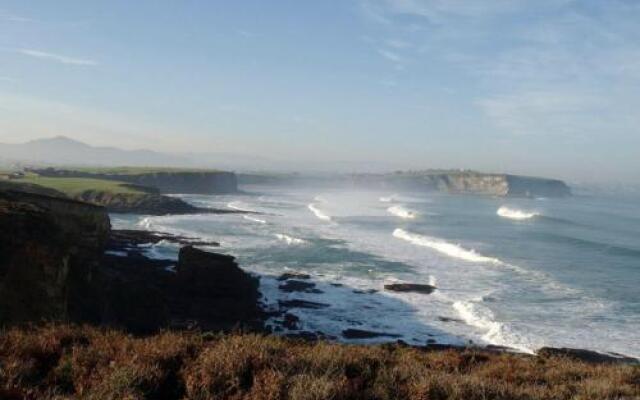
x=186, y=182
x=467, y=182
x=50, y=249
x=140, y=203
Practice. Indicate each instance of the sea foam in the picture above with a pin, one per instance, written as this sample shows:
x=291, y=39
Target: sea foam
x=441, y=246
x=318, y=213
x=495, y=332
x=254, y=219
x=512, y=213
x=239, y=206
x=290, y=240
x=401, y=212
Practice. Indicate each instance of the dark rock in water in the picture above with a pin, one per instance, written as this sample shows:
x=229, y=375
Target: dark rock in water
x=410, y=287
x=291, y=322
x=362, y=334
x=586, y=356
x=449, y=319
x=293, y=275
x=50, y=250
x=337, y=284
x=296, y=303
x=367, y=291
x=296, y=286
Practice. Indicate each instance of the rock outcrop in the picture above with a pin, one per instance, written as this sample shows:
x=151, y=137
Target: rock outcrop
x=139, y=203
x=61, y=262
x=51, y=248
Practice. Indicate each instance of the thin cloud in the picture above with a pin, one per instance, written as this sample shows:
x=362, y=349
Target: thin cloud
x=57, y=57
x=7, y=16
x=390, y=55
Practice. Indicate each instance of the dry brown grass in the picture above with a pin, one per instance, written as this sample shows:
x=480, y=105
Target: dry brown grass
x=63, y=362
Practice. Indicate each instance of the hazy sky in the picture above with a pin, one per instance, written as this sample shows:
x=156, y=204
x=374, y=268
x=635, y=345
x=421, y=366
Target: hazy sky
x=548, y=87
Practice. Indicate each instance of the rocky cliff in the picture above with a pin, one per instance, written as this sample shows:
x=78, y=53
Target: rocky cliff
x=54, y=267
x=50, y=250
x=466, y=182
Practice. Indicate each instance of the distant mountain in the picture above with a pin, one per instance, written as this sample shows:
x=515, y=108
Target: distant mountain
x=61, y=150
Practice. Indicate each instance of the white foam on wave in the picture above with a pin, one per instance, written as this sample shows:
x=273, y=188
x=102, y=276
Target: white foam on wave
x=512, y=213
x=290, y=240
x=401, y=212
x=239, y=206
x=441, y=246
x=319, y=199
x=318, y=213
x=254, y=219
x=495, y=332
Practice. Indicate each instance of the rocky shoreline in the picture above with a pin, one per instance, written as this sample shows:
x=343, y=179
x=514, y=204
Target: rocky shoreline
x=63, y=262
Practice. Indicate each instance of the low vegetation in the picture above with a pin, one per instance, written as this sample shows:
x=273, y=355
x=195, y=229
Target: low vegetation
x=60, y=362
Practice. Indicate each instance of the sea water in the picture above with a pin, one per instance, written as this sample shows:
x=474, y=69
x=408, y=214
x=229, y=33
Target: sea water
x=522, y=273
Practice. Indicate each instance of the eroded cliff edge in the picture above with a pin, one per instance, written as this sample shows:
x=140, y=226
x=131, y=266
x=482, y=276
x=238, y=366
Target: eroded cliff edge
x=54, y=268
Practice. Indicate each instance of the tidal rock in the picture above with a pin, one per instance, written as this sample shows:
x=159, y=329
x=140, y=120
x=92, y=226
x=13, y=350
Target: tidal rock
x=410, y=287
x=296, y=303
x=293, y=275
x=296, y=286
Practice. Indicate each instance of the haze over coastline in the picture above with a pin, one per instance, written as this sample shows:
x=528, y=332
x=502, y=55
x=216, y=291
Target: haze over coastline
x=362, y=85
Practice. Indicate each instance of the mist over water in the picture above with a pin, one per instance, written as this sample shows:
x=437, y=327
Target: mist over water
x=522, y=273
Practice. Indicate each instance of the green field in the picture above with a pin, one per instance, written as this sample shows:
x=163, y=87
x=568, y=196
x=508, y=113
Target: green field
x=135, y=170
x=75, y=186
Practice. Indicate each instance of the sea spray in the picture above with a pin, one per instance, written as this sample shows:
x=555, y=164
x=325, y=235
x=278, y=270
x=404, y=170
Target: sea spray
x=441, y=246
x=497, y=333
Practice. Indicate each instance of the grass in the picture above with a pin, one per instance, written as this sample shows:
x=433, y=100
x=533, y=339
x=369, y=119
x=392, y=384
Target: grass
x=75, y=186
x=136, y=170
x=64, y=362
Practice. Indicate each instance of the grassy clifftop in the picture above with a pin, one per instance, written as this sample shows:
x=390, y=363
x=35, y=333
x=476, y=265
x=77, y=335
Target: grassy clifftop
x=73, y=187
x=69, y=362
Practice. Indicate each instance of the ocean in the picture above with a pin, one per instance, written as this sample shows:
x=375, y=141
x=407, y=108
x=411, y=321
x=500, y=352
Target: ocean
x=522, y=273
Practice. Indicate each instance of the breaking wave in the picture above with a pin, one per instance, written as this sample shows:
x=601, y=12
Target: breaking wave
x=401, y=212
x=441, y=246
x=318, y=213
x=495, y=332
x=512, y=213
x=239, y=206
x=254, y=219
x=290, y=240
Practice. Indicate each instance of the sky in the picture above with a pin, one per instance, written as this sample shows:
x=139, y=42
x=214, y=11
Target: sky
x=539, y=87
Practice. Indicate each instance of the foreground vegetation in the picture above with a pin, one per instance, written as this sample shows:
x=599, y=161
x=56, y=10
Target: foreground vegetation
x=82, y=362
